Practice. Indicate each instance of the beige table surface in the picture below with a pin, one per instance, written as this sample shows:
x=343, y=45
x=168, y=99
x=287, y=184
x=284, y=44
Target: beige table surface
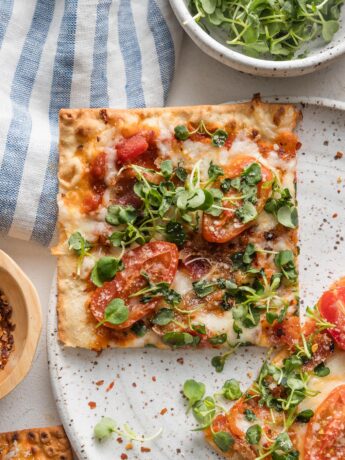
x=198, y=80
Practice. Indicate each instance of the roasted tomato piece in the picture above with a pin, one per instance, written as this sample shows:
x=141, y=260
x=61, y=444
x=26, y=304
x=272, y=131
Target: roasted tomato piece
x=131, y=148
x=158, y=259
x=91, y=202
x=332, y=307
x=227, y=226
x=288, y=142
x=97, y=167
x=287, y=333
x=324, y=438
x=240, y=450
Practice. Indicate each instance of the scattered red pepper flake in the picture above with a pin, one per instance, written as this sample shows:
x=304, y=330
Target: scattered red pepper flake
x=134, y=384
x=145, y=449
x=110, y=386
x=180, y=360
x=92, y=404
x=338, y=155
x=154, y=379
x=164, y=411
x=335, y=215
x=124, y=456
x=129, y=446
x=99, y=383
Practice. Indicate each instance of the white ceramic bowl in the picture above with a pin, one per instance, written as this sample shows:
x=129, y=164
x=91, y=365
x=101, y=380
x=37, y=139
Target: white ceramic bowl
x=320, y=54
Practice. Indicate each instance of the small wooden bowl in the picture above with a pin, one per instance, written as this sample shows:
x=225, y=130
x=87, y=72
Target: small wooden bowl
x=26, y=316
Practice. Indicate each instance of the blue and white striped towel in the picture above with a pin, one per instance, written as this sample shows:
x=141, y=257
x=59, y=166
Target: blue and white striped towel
x=70, y=53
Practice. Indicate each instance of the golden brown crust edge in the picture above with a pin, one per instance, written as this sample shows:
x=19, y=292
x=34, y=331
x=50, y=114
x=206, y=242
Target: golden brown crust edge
x=36, y=443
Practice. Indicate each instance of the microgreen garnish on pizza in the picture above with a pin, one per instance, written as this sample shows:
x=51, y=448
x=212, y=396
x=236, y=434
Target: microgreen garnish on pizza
x=178, y=227
x=295, y=407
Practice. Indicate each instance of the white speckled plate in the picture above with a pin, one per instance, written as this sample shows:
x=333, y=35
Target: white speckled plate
x=147, y=381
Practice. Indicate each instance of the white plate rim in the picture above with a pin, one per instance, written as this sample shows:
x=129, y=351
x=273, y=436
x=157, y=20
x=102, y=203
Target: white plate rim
x=52, y=344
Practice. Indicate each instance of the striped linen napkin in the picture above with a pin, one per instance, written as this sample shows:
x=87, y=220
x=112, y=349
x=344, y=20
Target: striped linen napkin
x=70, y=53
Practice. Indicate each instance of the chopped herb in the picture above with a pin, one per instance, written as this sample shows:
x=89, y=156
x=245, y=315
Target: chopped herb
x=285, y=260
x=305, y=416
x=115, y=313
x=223, y=440
x=282, y=207
x=214, y=171
x=154, y=290
x=139, y=328
x=219, y=138
x=166, y=168
x=218, y=339
x=105, y=269
x=118, y=214
x=249, y=415
x=253, y=434
x=175, y=233
x=225, y=185
x=321, y=370
x=231, y=390
x=288, y=216
x=163, y=317
x=203, y=288
x=199, y=328
x=252, y=174
x=246, y=213
x=181, y=173
x=104, y=428
x=194, y=391
x=179, y=339
x=204, y=411
x=181, y=133
x=81, y=246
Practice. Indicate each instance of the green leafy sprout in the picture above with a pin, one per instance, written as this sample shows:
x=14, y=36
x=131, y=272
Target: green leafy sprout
x=218, y=137
x=269, y=29
x=81, y=246
x=104, y=429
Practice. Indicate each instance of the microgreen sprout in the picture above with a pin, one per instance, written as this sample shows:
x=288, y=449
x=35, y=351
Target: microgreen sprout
x=107, y=426
x=81, y=246
x=115, y=313
x=218, y=137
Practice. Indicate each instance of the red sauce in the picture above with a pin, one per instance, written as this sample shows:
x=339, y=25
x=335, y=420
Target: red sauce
x=96, y=180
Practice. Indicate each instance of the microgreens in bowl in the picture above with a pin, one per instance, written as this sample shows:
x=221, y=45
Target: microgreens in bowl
x=269, y=29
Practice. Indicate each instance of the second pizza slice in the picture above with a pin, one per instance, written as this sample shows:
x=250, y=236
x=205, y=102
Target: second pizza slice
x=178, y=226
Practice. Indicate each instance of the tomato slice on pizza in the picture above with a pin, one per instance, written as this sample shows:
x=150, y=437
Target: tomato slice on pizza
x=156, y=261
x=248, y=185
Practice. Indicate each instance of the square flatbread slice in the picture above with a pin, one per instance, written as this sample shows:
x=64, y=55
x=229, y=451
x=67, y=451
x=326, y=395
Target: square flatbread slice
x=106, y=153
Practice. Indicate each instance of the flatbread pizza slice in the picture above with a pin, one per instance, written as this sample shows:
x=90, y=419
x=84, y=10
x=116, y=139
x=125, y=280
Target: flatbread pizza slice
x=36, y=444
x=295, y=408
x=178, y=226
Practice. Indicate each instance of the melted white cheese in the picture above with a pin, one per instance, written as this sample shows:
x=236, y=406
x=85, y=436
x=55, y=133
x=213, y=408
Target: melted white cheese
x=182, y=283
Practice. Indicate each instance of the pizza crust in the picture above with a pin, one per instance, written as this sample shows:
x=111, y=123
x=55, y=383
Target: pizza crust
x=84, y=130
x=37, y=443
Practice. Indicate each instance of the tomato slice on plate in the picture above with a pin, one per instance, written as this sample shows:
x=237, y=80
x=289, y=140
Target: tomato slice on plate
x=158, y=259
x=225, y=227
x=332, y=307
x=132, y=147
x=324, y=438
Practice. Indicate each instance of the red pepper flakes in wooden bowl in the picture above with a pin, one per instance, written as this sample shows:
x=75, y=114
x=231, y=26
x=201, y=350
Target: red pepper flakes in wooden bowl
x=6, y=330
